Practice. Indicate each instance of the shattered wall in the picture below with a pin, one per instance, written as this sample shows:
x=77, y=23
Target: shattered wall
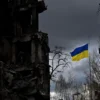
x=24, y=53
x=25, y=75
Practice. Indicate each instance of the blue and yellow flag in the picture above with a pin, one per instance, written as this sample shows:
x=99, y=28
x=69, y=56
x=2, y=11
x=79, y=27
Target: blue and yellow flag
x=80, y=53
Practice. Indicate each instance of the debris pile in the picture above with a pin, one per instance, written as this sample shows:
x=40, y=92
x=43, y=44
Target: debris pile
x=19, y=83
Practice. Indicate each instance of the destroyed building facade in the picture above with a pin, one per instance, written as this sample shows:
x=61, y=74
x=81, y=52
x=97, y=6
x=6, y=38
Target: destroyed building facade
x=24, y=53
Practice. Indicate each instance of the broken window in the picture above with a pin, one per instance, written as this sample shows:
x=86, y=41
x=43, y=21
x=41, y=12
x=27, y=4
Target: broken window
x=23, y=52
x=24, y=19
x=25, y=73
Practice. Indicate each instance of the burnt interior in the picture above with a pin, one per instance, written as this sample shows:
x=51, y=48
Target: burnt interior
x=25, y=73
x=16, y=18
x=23, y=52
x=24, y=19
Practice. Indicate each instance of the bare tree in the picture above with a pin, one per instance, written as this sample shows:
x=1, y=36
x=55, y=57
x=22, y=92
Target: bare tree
x=93, y=75
x=63, y=87
x=58, y=61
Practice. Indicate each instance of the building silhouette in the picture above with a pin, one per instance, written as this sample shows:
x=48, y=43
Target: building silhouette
x=24, y=52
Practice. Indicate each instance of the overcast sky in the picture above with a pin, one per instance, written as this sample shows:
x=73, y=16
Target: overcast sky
x=69, y=23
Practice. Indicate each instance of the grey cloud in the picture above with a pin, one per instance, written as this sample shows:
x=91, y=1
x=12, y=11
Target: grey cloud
x=82, y=67
x=70, y=18
x=68, y=24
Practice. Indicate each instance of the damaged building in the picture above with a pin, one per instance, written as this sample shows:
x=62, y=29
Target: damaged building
x=24, y=53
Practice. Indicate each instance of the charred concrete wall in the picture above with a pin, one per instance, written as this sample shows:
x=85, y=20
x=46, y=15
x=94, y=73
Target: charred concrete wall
x=25, y=66
x=24, y=53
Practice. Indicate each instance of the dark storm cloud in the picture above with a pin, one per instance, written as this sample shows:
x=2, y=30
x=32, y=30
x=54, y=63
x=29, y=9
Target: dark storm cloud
x=67, y=21
x=68, y=24
x=70, y=18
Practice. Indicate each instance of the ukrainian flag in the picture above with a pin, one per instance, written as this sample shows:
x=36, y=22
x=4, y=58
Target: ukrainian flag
x=80, y=53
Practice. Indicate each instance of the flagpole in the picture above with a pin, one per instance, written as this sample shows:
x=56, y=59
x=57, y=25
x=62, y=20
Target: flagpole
x=90, y=70
x=99, y=44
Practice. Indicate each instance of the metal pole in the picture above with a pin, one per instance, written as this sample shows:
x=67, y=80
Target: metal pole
x=90, y=82
x=90, y=71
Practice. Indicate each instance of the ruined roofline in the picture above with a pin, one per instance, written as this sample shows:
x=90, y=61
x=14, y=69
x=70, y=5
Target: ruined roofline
x=21, y=6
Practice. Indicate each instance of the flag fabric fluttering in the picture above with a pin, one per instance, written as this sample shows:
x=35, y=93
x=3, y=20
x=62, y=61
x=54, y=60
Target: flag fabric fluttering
x=80, y=53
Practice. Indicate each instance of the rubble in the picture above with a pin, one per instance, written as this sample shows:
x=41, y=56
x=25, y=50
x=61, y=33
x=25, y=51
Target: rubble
x=24, y=52
x=19, y=83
